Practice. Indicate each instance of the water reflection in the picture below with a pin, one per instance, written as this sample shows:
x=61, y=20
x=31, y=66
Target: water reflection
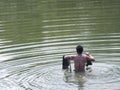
x=78, y=79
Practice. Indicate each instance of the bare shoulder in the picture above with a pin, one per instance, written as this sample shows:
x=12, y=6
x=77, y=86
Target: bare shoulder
x=89, y=57
x=84, y=55
x=70, y=56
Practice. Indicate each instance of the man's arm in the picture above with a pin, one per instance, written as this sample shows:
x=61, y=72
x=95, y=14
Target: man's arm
x=70, y=57
x=89, y=57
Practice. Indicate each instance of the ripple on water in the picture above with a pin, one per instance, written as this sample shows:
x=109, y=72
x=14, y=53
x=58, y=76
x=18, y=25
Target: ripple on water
x=51, y=77
x=48, y=77
x=103, y=77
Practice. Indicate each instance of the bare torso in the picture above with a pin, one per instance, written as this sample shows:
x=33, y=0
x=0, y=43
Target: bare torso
x=79, y=63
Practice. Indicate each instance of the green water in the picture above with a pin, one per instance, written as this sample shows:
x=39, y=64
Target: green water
x=34, y=34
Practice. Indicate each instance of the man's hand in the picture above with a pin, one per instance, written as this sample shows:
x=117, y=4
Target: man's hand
x=87, y=53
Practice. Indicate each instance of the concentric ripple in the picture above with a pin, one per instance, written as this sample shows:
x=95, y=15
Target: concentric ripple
x=52, y=78
x=35, y=34
x=103, y=76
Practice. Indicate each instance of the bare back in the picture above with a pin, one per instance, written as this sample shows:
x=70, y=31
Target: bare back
x=79, y=61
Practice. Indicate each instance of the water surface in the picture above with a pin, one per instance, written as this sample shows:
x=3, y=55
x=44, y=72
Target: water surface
x=35, y=34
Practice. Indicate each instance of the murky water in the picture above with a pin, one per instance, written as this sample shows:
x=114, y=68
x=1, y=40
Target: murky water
x=34, y=34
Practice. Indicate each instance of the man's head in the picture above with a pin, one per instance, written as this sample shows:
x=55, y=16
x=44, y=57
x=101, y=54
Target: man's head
x=79, y=49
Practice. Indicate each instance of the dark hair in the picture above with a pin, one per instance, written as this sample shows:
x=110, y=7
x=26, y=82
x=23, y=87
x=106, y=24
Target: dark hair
x=79, y=49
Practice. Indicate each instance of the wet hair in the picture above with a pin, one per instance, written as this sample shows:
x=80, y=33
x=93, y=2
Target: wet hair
x=79, y=49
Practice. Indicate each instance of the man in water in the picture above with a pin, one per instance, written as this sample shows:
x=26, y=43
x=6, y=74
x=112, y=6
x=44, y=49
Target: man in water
x=80, y=59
